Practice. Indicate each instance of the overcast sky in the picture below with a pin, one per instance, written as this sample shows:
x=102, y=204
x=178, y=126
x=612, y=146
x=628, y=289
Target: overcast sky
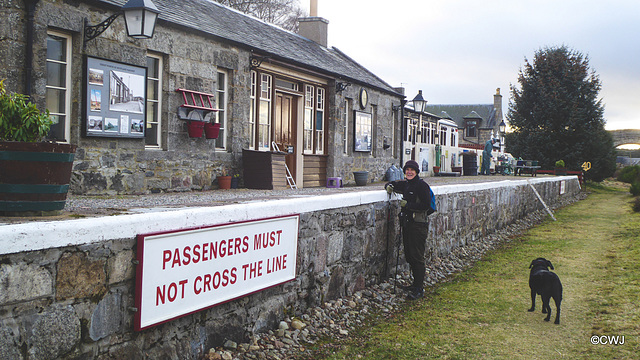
x=460, y=51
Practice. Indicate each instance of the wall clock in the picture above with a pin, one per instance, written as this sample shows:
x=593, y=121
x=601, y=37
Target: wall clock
x=364, y=98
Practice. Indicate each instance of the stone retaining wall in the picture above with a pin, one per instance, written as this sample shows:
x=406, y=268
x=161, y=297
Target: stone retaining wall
x=76, y=279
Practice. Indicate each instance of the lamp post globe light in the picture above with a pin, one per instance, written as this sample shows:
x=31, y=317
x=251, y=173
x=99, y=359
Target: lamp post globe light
x=419, y=102
x=502, y=128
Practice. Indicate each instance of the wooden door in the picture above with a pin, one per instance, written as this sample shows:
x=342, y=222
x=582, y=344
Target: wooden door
x=284, y=128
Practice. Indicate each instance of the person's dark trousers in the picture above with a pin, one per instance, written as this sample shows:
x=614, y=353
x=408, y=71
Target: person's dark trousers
x=414, y=237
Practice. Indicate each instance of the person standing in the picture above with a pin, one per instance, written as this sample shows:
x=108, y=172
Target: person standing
x=486, y=157
x=415, y=203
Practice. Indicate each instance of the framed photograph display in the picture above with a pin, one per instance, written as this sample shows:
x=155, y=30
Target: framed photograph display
x=363, y=131
x=115, y=99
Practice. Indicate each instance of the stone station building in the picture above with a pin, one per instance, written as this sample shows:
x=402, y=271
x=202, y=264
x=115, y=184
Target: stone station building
x=127, y=103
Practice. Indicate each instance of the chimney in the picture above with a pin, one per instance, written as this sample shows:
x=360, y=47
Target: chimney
x=313, y=27
x=313, y=8
x=497, y=104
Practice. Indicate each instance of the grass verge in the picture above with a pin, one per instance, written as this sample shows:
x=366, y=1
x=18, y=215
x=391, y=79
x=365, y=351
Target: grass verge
x=482, y=312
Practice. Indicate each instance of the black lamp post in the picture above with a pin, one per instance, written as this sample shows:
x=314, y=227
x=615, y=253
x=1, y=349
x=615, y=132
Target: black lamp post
x=139, y=15
x=502, y=128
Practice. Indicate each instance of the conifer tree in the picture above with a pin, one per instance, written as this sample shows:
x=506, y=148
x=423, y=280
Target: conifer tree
x=555, y=114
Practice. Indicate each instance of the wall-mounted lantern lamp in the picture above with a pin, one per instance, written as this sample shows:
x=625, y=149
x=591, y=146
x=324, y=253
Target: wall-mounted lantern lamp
x=419, y=102
x=139, y=15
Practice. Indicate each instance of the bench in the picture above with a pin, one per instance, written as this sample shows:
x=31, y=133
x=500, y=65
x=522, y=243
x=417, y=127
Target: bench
x=526, y=167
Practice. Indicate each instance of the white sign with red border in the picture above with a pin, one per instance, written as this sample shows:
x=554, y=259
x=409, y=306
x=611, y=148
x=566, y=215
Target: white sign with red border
x=185, y=271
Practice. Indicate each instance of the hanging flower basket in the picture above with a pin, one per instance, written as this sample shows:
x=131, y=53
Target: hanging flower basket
x=195, y=128
x=211, y=131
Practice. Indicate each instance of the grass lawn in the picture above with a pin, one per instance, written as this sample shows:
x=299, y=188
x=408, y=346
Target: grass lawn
x=482, y=312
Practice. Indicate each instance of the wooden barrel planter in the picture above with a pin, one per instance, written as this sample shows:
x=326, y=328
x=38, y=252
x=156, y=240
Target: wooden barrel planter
x=34, y=177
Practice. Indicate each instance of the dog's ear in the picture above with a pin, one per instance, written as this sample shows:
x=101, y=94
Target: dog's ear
x=550, y=265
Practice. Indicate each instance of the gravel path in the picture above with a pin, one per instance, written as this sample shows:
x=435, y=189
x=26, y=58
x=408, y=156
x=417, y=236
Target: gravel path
x=81, y=206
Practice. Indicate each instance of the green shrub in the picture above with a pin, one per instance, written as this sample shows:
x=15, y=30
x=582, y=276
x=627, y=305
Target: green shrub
x=560, y=163
x=20, y=120
x=636, y=205
x=635, y=188
x=629, y=174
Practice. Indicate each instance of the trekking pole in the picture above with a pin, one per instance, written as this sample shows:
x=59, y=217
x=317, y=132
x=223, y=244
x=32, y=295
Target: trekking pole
x=386, y=258
x=395, y=274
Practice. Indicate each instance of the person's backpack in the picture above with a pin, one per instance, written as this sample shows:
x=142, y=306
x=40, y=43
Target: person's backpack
x=432, y=206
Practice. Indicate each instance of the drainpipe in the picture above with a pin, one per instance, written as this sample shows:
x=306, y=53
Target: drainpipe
x=30, y=6
x=403, y=102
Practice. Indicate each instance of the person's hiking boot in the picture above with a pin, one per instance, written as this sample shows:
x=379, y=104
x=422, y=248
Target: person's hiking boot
x=407, y=287
x=415, y=293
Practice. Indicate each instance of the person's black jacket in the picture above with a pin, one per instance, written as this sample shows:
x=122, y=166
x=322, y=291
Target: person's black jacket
x=416, y=192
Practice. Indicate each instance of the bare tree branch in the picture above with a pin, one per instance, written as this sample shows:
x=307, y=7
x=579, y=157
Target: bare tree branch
x=283, y=13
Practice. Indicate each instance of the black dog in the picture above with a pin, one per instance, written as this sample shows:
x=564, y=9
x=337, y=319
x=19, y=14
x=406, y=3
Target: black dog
x=546, y=284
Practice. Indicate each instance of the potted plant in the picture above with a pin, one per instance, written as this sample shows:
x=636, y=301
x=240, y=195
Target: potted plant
x=361, y=177
x=35, y=174
x=436, y=170
x=235, y=181
x=559, y=168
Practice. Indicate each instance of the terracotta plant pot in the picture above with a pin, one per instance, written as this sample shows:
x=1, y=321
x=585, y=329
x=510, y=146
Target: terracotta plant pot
x=224, y=182
x=211, y=131
x=436, y=169
x=195, y=129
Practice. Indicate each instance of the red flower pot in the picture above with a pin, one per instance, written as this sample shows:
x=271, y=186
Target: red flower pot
x=195, y=128
x=211, y=131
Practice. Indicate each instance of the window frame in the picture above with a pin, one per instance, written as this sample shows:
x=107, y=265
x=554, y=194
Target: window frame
x=67, y=88
x=158, y=101
x=224, y=91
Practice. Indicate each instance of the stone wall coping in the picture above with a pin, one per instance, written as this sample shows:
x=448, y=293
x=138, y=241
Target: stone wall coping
x=15, y=238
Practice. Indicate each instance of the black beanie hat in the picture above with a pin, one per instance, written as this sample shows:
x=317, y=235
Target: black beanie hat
x=411, y=164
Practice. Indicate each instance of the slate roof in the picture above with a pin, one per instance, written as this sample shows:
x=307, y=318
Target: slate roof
x=458, y=113
x=228, y=24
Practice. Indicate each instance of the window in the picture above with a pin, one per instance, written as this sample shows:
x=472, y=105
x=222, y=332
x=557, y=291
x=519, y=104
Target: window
x=454, y=137
x=154, y=102
x=307, y=135
x=424, y=131
x=432, y=133
x=346, y=126
x=252, y=112
x=221, y=103
x=320, y=123
x=443, y=136
x=286, y=84
x=58, y=83
x=471, y=128
x=264, y=116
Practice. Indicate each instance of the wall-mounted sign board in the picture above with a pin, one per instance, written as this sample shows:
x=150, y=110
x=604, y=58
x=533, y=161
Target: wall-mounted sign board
x=115, y=99
x=182, y=272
